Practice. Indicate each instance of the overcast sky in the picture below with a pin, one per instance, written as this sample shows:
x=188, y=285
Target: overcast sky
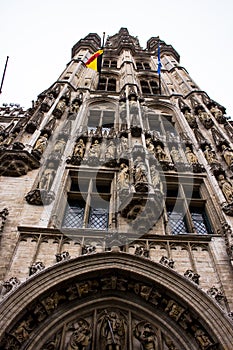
x=38, y=37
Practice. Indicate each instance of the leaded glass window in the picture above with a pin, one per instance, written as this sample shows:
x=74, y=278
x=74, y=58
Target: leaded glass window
x=88, y=202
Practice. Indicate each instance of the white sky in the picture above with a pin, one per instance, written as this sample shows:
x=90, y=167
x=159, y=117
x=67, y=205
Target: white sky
x=38, y=37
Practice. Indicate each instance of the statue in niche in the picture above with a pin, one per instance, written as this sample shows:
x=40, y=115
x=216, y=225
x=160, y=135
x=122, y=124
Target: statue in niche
x=79, y=149
x=175, y=155
x=210, y=156
x=205, y=118
x=60, y=146
x=80, y=338
x=155, y=178
x=160, y=154
x=227, y=155
x=203, y=339
x=113, y=331
x=110, y=151
x=123, y=177
x=150, y=146
x=191, y=119
x=47, y=177
x=60, y=108
x=94, y=151
x=140, y=170
x=226, y=187
x=124, y=145
x=146, y=335
x=191, y=157
x=217, y=113
x=41, y=144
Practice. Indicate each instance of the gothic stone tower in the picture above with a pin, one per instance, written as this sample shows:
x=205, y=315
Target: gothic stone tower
x=116, y=208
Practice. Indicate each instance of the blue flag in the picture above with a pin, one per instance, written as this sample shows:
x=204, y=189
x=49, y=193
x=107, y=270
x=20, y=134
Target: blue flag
x=159, y=61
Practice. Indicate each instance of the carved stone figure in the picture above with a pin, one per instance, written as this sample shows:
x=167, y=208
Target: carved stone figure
x=113, y=331
x=205, y=119
x=191, y=157
x=36, y=267
x=124, y=145
x=79, y=149
x=203, y=340
x=218, y=114
x=175, y=155
x=60, y=108
x=150, y=146
x=140, y=170
x=145, y=333
x=123, y=177
x=60, y=146
x=210, y=156
x=160, y=154
x=41, y=144
x=155, y=178
x=191, y=119
x=227, y=155
x=94, y=151
x=47, y=177
x=80, y=338
x=226, y=187
x=110, y=151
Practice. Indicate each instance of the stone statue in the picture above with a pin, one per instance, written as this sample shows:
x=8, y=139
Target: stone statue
x=140, y=170
x=210, y=156
x=150, y=146
x=94, y=151
x=110, y=151
x=205, y=118
x=47, y=177
x=226, y=187
x=191, y=157
x=60, y=146
x=175, y=155
x=123, y=177
x=41, y=143
x=160, y=154
x=145, y=333
x=79, y=149
x=155, y=178
x=190, y=119
x=203, y=340
x=113, y=331
x=80, y=338
x=217, y=113
x=227, y=155
x=124, y=145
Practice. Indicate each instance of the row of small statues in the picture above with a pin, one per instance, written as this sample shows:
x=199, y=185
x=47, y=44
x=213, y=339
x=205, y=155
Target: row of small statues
x=204, y=117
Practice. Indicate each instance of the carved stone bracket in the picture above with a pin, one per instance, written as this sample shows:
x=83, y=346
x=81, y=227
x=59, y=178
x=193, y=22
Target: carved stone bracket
x=40, y=197
x=17, y=163
x=228, y=208
x=36, y=267
x=192, y=276
x=62, y=256
x=167, y=262
x=11, y=284
x=216, y=294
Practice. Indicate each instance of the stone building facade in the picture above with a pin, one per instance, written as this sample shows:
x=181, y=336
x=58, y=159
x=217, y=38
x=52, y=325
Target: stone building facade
x=116, y=208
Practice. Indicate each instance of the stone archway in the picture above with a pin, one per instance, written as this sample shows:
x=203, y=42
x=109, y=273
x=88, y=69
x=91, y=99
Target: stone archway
x=112, y=301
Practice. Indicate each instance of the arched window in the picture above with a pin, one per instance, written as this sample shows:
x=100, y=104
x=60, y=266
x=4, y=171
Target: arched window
x=149, y=87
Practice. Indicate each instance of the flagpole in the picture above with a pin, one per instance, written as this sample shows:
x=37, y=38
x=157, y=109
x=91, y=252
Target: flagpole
x=102, y=47
x=3, y=76
x=159, y=68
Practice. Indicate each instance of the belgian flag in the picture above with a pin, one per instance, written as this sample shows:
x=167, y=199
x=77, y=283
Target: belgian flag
x=95, y=61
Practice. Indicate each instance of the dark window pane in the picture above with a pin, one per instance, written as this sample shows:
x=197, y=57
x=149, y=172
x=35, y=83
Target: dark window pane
x=200, y=221
x=74, y=214
x=176, y=221
x=98, y=218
